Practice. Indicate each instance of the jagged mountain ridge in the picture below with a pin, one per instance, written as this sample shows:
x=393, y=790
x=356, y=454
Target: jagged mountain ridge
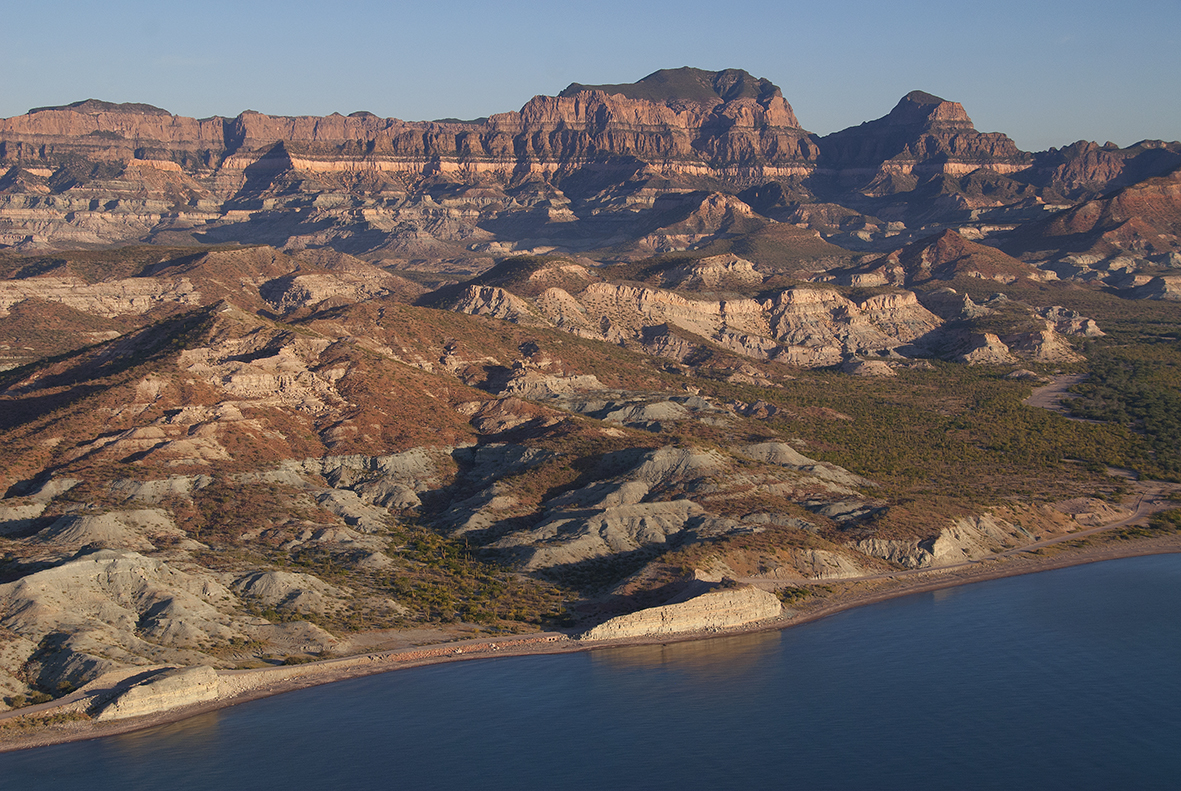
x=585, y=170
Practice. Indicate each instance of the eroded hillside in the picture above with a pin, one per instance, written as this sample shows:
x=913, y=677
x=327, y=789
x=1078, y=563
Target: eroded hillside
x=274, y=389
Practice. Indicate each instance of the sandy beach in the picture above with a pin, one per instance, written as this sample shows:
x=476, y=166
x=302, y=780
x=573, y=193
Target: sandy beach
x=63, y=720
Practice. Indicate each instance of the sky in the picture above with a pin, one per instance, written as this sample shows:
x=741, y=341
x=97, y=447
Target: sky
x=1045, y=72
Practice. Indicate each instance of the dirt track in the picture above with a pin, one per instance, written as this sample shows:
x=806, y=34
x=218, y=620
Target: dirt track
x=1050, y=396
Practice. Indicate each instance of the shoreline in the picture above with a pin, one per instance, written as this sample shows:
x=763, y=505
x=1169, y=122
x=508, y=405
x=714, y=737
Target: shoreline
x=243, y=686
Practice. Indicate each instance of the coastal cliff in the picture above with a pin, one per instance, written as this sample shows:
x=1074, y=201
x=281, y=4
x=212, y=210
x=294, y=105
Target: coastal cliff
x=711, y=611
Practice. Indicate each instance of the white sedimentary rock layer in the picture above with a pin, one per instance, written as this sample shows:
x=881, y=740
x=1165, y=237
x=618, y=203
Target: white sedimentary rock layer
x=718, y=609
x=168, y=690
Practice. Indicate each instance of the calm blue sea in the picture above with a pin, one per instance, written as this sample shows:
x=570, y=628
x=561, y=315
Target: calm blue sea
x=1068, y=679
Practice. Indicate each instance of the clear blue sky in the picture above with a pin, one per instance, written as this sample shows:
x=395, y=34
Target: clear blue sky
x=1044, y=72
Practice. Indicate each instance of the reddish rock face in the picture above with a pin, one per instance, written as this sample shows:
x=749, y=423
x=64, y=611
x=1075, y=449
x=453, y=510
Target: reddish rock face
x=922, y=132
x=944, y=256
x=1085, y=167
x=597, y=166
x=748, y=127
x=1144, y=218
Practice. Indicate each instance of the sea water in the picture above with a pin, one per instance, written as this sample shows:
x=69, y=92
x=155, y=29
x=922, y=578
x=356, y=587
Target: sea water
x=1067, y=679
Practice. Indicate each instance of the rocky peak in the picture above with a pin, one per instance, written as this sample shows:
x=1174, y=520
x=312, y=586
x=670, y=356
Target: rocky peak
x=686, y=84
x=93, y=106
x=925, y=110
x=923, y=135
x=1086, y=167
x=731, y=93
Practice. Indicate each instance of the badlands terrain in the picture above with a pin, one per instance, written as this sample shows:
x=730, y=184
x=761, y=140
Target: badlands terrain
x=635, y=360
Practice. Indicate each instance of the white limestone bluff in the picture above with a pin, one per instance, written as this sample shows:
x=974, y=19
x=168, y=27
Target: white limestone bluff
x=714, y=610
x=169, y=689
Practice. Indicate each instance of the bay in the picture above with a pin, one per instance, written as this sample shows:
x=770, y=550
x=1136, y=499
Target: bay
x=1066, y=679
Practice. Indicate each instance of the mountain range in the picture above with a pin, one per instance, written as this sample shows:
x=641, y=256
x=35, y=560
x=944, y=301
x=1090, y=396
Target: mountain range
x=275, y=388
x=674, y=161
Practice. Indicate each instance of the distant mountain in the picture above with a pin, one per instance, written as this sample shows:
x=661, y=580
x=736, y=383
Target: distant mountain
x=685, y=85
x=99, y=106
x=1117, y=233
x=681, y=160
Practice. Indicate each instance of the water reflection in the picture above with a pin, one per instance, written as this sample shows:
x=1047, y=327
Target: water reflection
x=732, y=654
x=900, y=695
x=942, y=595
x=191, y=736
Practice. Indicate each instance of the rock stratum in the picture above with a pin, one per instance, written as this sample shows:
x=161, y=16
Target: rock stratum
x=677, y=160
x=709, y=612
x=274, y=389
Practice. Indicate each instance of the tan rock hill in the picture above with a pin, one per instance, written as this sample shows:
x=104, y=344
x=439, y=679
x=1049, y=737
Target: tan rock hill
x=943, y=257
x=160, y=691
x=804, y=326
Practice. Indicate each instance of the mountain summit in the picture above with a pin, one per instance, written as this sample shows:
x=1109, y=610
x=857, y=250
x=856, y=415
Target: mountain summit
x=927, y=111
x=686, y=84
x=922, y=129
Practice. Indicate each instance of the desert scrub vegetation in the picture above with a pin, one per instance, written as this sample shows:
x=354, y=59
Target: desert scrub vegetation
x=1138, y=385
x=435, y=580
x=36, y=721
x=222, y=512
x=792, y=595
x=32, y=699
x=952, y=431
x=443, y=580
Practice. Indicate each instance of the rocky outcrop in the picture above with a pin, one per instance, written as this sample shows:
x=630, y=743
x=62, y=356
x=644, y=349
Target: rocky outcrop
x=169, y=689
x=715, y=273
x=497, y=303
x=1044, y=345
x=610, y=517
x=1069, y=322
x=1141, y=221
x=802, y=326
x=134, y=530
x=785, y=455
x=285, y=590
x=968, y=538
x=1166, y=287
x=1086, y=167
x=942, y=257
x=820, y=564
x=922, y=135
x=112, y=298
x=712, y=611
x=984, y=348
x=572, y=537
x=872, y=368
